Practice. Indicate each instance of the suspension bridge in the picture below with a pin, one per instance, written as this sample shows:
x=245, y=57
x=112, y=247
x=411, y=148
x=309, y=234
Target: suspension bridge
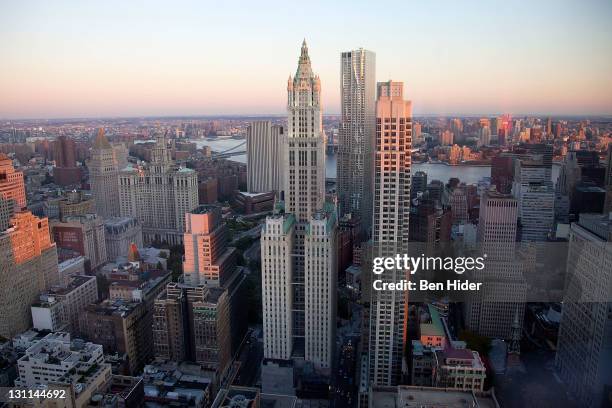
x=230, y=152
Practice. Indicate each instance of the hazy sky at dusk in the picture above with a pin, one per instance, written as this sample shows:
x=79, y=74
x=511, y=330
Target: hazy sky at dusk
x=118, y=58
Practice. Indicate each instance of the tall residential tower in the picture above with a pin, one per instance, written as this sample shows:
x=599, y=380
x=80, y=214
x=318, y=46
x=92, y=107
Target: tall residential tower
x=356, y=136
x=390, y=229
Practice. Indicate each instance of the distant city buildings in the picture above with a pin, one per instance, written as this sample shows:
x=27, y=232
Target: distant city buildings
x=65, y=172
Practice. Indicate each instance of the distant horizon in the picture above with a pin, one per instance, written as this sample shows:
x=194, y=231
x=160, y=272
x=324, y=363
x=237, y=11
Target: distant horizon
x=282, y=115
x=69, y=59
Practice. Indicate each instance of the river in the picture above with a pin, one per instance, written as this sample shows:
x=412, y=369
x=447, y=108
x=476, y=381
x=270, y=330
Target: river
x=435, y=171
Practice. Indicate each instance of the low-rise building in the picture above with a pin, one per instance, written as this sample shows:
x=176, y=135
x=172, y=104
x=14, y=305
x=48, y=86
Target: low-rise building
x=459, y=368
x=250, y=203
x=58, y=362
x=177, y=384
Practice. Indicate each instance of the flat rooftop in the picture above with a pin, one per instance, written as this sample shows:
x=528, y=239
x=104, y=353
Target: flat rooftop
x=408, y=397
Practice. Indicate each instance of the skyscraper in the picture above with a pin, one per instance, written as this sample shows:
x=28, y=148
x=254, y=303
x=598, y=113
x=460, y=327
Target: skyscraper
x=491, y=311
x=390, y=229
x=298, y=247
x=159, y=194
x=535, y=194
x=584, y=350
x=264, y=157
x=103, y=177
x=356, y=134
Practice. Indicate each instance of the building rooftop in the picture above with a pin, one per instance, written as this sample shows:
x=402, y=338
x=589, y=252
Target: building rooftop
x=205, y=209
x=435, y=327
x=76, y=282
x=115, y=307
x=117, y=222
x=70, y=262
x=408, y=397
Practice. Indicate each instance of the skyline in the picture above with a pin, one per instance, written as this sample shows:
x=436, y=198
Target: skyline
x=93, y=61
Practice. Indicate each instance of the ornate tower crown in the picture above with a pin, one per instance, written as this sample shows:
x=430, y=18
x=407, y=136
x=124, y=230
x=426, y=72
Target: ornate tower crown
x=304, y=69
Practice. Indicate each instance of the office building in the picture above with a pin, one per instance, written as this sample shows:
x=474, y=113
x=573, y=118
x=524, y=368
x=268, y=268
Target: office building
x=584, y=350
x=208, y=260
x=120, y=327
x=356, y=134
x=208, y=191
x=81, y=235
x=69, y=268
x=158, y=195
x=251, y=203
x=459, y=204
x=28, y=265
x=298, y=248
x=60, y=307
x=265, y=157
x=390, y=228
x=430, y=221
x=502, y=172
x=418, y=184
x=201, y=324
x=103, y=177
x=535, y=194
x=492, y=311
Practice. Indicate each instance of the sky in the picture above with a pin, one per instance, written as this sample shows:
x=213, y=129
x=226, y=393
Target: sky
x=62, y=59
